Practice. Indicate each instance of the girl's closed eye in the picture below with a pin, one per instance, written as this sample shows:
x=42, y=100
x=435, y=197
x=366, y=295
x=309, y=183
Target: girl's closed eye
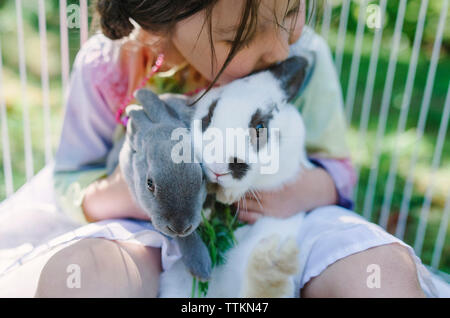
x=293, y=12
x=244, y=44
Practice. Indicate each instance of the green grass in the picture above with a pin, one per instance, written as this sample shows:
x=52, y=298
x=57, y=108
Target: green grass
x=363, y=156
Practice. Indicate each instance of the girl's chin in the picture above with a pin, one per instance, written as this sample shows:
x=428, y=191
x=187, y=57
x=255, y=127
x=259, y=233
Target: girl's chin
x=226, y=80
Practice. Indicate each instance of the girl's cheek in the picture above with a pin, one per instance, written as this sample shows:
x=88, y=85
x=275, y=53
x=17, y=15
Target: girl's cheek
x=236, y=70
x=295, y=36
x=240, y=66
x=243, y=64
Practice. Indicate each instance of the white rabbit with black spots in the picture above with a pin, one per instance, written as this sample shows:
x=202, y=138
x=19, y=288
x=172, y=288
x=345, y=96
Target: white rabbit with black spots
x=265, y=261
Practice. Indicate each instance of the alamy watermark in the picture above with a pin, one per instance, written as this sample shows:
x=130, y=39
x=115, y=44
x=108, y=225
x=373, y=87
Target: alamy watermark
x=74, y=278
x=374, y=16
x=73, y=16
x=250, y=145
x=374, y=279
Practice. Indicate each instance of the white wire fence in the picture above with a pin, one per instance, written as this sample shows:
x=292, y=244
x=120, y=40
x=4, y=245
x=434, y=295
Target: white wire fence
x=399, y=187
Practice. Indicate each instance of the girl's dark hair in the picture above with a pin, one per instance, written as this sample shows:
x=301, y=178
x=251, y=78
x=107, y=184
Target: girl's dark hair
x=160, y=16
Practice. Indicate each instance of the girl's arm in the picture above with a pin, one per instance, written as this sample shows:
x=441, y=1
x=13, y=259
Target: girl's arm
x=330, y=183
x=109, y=198
x=343, y=175
x=86, y=139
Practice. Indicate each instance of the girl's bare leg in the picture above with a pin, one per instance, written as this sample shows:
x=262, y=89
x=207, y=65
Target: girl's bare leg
x=106, y=269
x=348, y=276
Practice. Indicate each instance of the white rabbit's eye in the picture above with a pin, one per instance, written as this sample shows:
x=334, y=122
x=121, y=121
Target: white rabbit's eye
x=258, y=127
x=259, y=132
x=150, y=185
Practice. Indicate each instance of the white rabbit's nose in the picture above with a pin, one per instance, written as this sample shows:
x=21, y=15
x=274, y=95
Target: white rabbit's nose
x=218, y=168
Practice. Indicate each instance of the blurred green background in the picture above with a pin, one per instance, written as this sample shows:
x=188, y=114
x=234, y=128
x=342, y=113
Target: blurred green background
x=361, y=155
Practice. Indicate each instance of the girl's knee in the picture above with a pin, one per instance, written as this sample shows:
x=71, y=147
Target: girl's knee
x=101, y=268
x=382, y=271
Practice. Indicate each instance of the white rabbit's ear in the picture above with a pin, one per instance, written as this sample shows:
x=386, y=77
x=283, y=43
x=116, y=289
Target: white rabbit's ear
x=206, y=119
x=294, y=73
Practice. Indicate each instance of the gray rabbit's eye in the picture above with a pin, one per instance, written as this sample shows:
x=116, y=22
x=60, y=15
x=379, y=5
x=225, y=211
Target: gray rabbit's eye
x=150, y=185
x=132, y=148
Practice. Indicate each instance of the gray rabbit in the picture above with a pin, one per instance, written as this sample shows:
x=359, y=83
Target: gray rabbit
x=172, y=194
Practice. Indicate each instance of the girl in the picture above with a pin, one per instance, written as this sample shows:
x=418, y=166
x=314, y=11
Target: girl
x=207, y=43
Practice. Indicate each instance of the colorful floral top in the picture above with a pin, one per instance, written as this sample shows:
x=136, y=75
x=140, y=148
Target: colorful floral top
x=99, y=84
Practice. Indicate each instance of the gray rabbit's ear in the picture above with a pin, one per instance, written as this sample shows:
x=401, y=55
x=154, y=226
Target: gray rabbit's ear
x=138, y=119
x=153, y=106
x=294, y=74
x=177, y=107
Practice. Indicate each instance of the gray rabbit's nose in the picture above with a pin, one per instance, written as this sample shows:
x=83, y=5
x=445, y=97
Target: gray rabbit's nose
x=179, y=232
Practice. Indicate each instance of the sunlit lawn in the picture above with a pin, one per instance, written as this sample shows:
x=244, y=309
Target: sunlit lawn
x=363, y=156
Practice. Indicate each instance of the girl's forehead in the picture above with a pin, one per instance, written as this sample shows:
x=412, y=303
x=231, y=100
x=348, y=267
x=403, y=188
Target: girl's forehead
x=227, y=13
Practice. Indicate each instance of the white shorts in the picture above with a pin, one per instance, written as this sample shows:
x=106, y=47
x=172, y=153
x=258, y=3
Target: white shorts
x=332, y=233
x=327, y=235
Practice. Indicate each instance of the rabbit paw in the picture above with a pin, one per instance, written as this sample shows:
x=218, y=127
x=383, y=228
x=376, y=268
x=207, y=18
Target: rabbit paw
x=270, y=268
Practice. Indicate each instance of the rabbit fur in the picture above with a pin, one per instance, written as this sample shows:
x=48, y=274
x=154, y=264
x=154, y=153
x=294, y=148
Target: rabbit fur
x=265, y=261
x=172, y=194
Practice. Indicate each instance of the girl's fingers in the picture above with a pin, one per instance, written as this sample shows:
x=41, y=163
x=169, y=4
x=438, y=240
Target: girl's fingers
x=249, y=216
x=250, y=205
x=254, y=196
x=250, y=196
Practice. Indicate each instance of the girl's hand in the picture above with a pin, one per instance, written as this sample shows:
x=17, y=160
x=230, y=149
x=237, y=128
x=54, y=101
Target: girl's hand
x=110, y=198
x=311, y=189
